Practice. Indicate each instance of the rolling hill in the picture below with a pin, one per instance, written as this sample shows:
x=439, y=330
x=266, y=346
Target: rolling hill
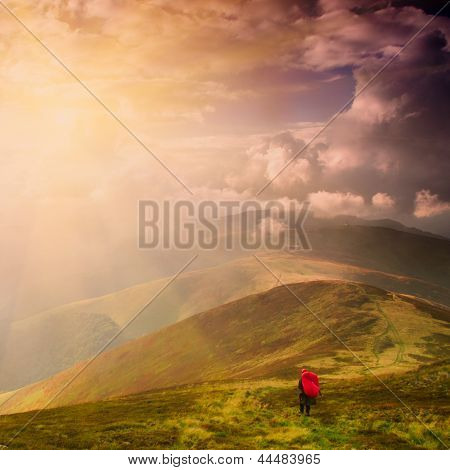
x=41, y=345
x=264, y=335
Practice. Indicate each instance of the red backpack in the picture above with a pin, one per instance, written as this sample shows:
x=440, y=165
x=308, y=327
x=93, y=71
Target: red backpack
x=310, y=383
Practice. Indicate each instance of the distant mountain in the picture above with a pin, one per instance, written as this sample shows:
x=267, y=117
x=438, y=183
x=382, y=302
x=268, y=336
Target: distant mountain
x=263, y=335
x=314, y=222
x=353, y=220
x=386, y=250
x=383, y=245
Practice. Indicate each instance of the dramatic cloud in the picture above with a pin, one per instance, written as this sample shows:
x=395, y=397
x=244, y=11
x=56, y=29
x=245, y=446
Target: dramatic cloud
x=225, y=93
x=394, y=139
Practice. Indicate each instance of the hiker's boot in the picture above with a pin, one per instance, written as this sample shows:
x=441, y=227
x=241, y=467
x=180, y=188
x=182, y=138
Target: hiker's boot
x=308, y=409
x=302, y=408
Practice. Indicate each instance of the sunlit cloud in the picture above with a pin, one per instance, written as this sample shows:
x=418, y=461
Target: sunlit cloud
x=225, y=93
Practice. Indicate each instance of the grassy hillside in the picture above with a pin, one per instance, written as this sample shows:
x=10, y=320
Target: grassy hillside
x=42, y=345
x=264, y=335
x=256, y=414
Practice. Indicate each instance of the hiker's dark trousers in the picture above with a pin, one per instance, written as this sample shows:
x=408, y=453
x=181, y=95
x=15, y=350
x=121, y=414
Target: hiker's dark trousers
x=305, y=403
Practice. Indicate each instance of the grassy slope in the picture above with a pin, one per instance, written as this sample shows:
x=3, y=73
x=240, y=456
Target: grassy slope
x=257, y=414
x=264, y=335
x=47, y=343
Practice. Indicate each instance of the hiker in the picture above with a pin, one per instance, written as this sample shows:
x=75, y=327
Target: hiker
x=309, y=389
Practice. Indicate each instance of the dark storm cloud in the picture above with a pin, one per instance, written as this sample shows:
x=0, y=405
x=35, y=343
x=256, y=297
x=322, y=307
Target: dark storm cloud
x=390, y=148
x=397, y=131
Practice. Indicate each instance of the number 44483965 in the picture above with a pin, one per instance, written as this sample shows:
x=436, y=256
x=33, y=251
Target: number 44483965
x=290, y=459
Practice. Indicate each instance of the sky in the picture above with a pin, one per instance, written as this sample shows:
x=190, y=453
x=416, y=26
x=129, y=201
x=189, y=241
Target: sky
x=224, y=92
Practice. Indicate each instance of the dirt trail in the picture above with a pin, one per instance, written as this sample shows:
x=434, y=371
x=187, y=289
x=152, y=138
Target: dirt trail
x=390, y=333
x=395, y=335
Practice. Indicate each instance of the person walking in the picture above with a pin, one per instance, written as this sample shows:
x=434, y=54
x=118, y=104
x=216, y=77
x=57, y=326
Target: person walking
x=309, y=389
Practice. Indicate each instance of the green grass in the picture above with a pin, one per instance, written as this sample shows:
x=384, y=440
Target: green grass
x=253, y=414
